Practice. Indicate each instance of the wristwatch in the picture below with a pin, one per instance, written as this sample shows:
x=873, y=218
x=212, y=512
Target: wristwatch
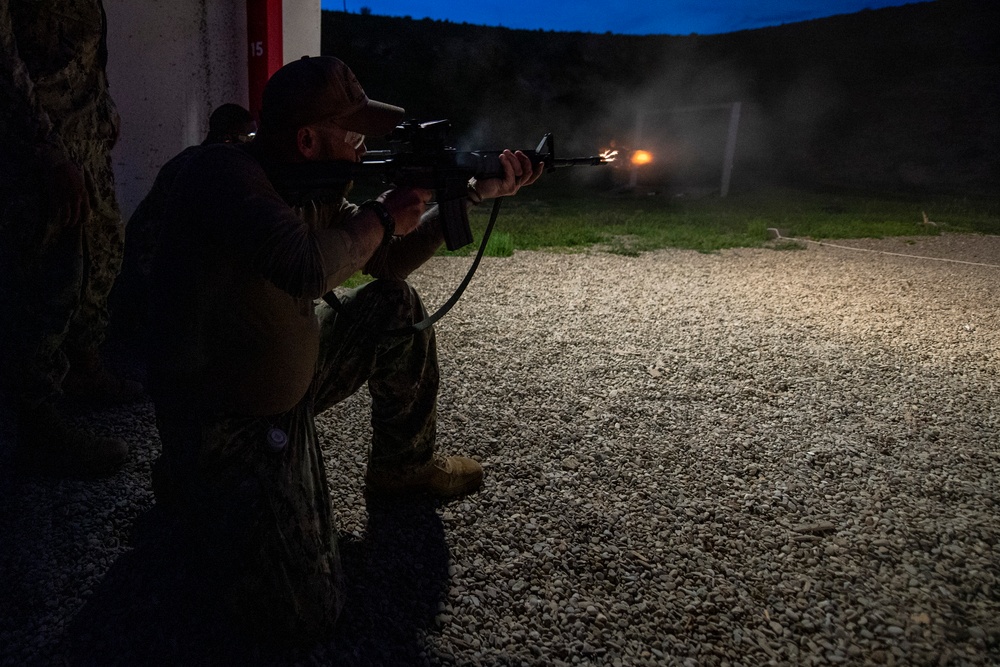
x=384, y=217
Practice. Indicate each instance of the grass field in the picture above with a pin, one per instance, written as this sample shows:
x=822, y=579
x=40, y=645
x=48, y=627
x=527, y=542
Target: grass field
x=560, y=215
x=566, y=218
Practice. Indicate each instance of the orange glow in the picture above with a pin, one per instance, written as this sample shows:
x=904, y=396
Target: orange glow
x=641, y=157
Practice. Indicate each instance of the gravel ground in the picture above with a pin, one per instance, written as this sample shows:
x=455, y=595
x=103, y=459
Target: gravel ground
x=751, y=457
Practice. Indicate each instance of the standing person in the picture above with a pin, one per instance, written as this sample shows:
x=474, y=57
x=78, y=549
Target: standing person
x=230, y=124
x=129, y=300
x=241, y=361
x=61, y=237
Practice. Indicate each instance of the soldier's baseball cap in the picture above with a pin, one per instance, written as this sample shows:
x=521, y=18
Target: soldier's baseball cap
x=313, y=88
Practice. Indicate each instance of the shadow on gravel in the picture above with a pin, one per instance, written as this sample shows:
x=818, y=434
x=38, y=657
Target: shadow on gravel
x=156, y=607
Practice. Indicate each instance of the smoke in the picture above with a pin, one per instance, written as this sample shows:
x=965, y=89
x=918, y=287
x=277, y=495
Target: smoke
x=684, y=114
x=672, y=97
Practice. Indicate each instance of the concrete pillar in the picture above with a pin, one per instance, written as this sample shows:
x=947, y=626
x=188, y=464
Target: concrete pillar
x=170, y=63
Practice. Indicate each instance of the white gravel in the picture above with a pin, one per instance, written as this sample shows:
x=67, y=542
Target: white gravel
x=748, y=457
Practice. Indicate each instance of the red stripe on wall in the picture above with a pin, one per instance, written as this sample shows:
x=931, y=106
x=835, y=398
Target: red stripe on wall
x=264, y=34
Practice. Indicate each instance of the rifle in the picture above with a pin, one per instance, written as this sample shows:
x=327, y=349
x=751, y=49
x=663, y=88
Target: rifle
x=419, y=156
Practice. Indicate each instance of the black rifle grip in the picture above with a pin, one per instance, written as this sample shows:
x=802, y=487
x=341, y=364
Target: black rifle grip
x=455, y=223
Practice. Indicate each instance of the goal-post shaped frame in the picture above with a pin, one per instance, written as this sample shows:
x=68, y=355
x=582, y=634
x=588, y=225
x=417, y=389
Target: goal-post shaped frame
x=730, y=151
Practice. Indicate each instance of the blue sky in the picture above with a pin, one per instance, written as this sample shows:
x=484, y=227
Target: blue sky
x=635, y=17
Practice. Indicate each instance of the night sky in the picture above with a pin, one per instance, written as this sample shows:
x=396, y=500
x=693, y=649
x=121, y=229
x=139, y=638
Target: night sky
x=670, y=17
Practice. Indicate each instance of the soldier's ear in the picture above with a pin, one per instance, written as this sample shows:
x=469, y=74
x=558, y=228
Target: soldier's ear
x=307, y=141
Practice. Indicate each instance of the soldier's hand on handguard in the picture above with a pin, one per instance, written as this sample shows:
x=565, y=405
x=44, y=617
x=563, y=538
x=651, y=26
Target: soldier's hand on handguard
x=518, y=173
x=406, y=205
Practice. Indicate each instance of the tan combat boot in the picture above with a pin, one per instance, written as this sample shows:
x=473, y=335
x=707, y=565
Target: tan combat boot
x=442, y=476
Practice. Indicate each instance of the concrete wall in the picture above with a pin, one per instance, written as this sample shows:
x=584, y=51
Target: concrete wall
x=301, y=21
x=170, y=63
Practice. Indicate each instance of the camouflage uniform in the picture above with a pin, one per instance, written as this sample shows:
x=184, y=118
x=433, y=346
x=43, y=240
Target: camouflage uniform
x=264, y=512
x=260, y=507
x=54, y=107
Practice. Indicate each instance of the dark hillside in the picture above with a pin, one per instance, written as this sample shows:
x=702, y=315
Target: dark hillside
x=494, y=83
x=903, y=99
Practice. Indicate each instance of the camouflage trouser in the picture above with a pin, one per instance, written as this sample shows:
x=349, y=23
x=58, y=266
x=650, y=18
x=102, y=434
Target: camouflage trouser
x=265, y=513
x=55, y=281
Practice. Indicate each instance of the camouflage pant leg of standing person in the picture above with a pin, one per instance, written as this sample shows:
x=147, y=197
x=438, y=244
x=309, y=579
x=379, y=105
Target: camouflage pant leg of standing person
x=104, y=242
x=59, y=278
x=401, y=371
x=262, y=517
x=44, y=266
x=88, y=378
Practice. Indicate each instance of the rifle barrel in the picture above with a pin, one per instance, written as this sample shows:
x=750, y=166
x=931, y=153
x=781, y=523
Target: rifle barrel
x=591, y=160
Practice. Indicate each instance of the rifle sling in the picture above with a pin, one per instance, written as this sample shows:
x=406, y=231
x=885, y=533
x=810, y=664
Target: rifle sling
x=335, y=303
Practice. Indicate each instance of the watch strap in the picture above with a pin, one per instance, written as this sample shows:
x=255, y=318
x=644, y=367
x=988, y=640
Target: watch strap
x=384, y=217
